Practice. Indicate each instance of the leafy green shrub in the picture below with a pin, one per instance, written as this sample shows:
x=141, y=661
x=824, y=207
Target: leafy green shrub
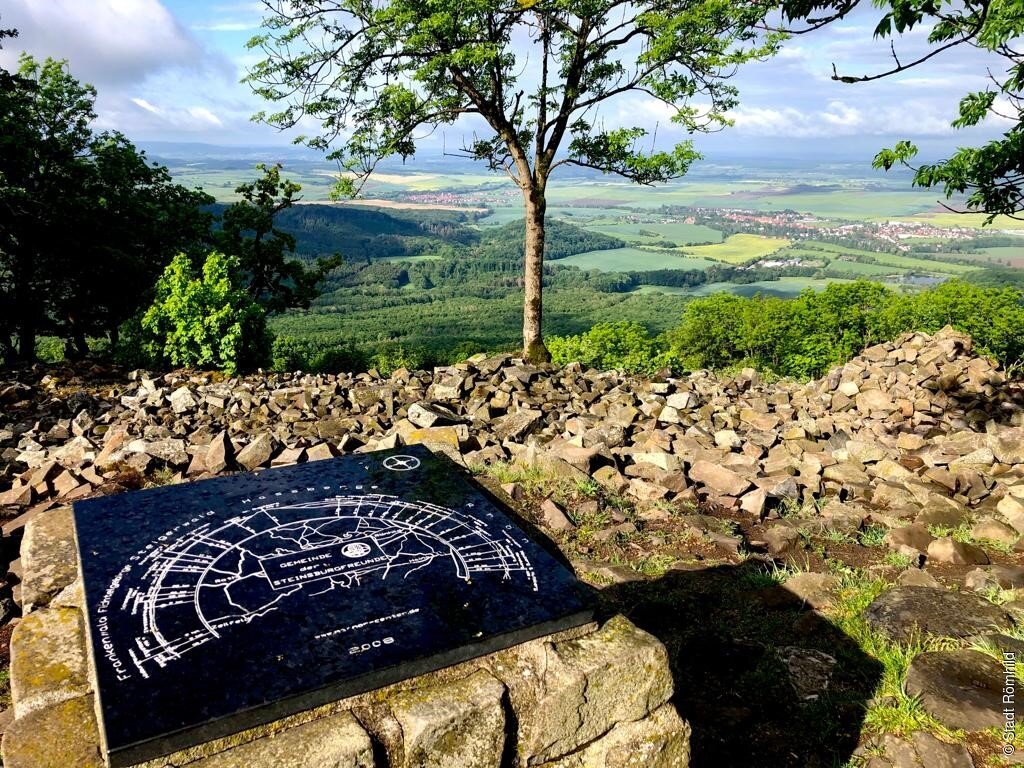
x=315, y=356
x=622, y=345
x=206, y=320
x=132, y=349
x=803, y=337
x=390, y=357
x=50, y=349
x=711, y=334
x=463, y=351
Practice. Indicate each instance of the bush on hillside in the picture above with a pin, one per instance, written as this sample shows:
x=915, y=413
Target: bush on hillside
x=206, y=319
x=804, y=336
x=315, y=356
x=623, y=345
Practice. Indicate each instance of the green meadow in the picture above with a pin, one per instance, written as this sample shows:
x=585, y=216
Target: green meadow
x=739, y=249
x=633, y=260
x=645, y=233
x=785, y=287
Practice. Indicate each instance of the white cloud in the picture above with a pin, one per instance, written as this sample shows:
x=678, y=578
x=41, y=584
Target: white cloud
x=917, y=118
x=202, y=114
x=147, y=106
x=842, y=116
x=227, y=26
x=792, y=52
x=105, y=41
x=147, y=118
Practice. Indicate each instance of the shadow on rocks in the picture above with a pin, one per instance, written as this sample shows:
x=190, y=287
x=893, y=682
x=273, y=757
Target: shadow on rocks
x=763, y=680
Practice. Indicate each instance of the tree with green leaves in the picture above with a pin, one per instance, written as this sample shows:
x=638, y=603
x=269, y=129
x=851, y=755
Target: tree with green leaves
x=264, y=252
x=534, y=74
x=129, y=220
x=992, y=175
x=206, y=318
x=86, y=222
x=45, y=132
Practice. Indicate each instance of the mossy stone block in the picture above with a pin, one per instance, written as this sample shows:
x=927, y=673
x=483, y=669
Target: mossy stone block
x=618, y=674
x=48, y=663
x=63, y=735
x=461, y=723
x=660, y=740
x=336, y=741
x=48, y=557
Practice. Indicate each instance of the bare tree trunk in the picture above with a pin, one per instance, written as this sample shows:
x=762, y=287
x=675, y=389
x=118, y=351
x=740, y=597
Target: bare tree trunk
x=27, y=341
x=534, y=350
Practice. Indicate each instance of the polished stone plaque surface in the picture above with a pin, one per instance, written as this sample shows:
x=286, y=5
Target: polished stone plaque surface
x=223, y=604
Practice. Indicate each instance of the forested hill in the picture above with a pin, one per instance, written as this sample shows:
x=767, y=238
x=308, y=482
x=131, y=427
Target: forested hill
x=563, y=240
x=361, y=234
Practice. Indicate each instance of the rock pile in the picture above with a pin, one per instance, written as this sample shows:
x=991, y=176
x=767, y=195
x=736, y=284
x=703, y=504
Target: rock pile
x=913, y=433
x=919, y=439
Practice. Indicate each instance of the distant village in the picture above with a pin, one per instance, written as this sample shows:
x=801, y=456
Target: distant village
x=892, y=236
x=806, y=226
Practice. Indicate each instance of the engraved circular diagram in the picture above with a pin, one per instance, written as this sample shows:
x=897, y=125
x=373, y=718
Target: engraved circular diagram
x=221, y=574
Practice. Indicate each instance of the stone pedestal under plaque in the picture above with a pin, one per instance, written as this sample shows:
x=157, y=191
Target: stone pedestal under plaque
x=367, y=611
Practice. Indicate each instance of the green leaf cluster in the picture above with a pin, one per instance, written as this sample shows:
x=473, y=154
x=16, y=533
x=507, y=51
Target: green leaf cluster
x=206, y=319
x=803, y=337
x=624, y=346
x=86, y=221
x=988, y=178
x=289, y=353
x=264, y=251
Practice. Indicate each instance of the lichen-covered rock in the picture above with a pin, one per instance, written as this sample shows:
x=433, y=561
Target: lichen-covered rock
x=581, y=691
x=63, y=735
x=661, y=740
x=456, y=723
x=48, y=662
x=48, y=557
x=335, y=741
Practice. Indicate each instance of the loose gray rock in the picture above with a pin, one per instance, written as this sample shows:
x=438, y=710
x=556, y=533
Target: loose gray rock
x=810, y=670
x=920, y=750
x=782, y=540
x=961, y=689
x=721, y=479
x=554, y=517
x=915, y=536
x=814, y=589
x=257, y=452
x=947, y=550
x=903, y=610
x=219, y=454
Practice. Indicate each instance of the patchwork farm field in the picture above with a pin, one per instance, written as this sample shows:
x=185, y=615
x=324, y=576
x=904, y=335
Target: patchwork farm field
x=1009, y=255
x=633, y=260
x=739, y=249
x=953, y=219
x=785, y=287
x=895, y=260
x=644, y=233
x=845, y=267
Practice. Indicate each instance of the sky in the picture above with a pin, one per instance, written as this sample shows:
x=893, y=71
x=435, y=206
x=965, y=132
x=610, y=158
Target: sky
x=169, y=70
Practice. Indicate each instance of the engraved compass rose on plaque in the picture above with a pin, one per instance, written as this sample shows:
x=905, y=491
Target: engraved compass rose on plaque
x=401, y=463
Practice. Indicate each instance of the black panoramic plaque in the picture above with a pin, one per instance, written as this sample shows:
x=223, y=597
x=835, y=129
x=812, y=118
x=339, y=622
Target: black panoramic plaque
x=220, y=605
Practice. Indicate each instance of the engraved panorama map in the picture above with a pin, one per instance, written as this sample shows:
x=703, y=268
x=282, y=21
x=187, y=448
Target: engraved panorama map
x=222, y=604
